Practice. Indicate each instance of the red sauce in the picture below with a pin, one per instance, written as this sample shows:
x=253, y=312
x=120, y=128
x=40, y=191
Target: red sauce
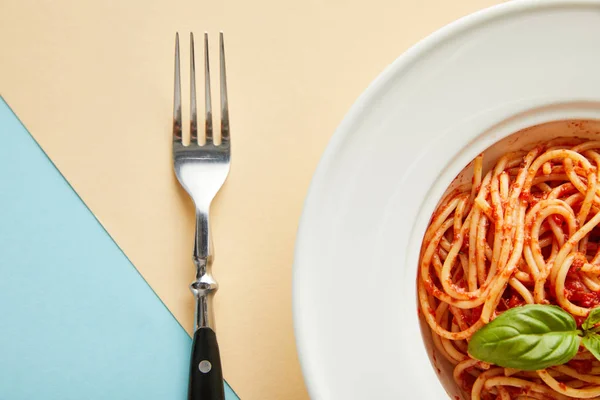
x=515, y=301
x=466, y=380
x=534, y=200
x=579, y=320
x=557, y=218
x=429, y=286
x=515, y=391
x=581, y=366
x=578, y=293
x=550, y=289
x=475, y=315
x=510, y=299
x=578, y=262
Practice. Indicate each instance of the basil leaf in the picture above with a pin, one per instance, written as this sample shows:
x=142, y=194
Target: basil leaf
x=529, y=338
x=591, y=341
x=592, y=319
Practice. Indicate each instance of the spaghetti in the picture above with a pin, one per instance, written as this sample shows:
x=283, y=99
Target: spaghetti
x=527, y=231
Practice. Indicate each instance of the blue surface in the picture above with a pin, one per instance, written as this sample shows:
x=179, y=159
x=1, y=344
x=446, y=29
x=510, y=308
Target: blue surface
x=77, y=321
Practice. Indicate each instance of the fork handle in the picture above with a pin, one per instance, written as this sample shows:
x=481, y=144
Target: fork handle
x=206, y=375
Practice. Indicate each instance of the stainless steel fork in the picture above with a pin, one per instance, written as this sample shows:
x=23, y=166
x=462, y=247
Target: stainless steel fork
x=201, y=169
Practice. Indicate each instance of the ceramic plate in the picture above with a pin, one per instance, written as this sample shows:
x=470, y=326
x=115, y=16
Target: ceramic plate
x=465, y=88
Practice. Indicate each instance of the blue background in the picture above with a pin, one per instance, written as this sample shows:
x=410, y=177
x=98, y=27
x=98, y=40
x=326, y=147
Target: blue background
x=77, y=321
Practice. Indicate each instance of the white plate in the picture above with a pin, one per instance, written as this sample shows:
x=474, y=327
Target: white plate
x=406, y=138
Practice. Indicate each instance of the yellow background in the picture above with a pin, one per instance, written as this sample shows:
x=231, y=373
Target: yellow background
x=93, y=83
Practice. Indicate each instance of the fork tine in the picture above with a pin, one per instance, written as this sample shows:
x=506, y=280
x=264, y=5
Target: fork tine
x=208, y=128
x=177, y=96
x=193, y=110
x=224, y=102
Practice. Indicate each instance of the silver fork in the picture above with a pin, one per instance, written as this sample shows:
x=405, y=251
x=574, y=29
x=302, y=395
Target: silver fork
x=202, y=169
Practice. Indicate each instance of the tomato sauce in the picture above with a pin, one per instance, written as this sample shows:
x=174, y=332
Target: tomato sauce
x=475, y=315
x=581, y=366
x=510, y=299
x=557, y=218
x=577, y=293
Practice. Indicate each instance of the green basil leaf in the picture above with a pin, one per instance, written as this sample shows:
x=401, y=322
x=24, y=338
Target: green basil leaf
x=591, y=341
x=529, y=338
x=592, y=319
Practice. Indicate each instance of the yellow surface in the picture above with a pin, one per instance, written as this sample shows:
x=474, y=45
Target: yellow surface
x=93, y=82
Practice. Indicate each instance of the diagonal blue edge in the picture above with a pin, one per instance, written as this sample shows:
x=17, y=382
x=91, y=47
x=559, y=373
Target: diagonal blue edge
x=77, y=321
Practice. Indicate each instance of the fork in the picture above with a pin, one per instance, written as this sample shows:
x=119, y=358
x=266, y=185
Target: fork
x=201, y=169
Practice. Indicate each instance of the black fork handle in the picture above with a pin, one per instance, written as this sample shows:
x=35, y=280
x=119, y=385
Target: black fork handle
x=206, y=375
